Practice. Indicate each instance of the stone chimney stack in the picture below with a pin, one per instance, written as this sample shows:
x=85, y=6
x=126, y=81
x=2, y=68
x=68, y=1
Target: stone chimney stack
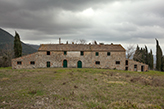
x=59, y=40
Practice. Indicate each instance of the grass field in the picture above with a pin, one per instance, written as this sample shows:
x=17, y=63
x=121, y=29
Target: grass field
x=81, y=89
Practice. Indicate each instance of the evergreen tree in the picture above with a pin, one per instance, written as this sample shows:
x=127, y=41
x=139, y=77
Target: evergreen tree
x=136, y=56
x=151, y=60
x=17, y=46
x=162, y=66
x=142, y=51
x=146, y=55
x=158, y=56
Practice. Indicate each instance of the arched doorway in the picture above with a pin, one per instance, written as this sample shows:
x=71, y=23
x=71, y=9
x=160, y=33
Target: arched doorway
x=65, y=64
x=79, y=64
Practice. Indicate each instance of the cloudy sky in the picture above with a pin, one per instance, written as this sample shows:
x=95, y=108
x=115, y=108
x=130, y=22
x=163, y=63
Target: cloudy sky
x=126, y=22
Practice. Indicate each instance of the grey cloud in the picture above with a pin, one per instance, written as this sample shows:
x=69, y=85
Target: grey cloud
x=131, y=21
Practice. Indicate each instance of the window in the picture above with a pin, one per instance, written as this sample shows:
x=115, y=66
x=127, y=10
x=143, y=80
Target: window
x=48, y=52
x=126, y=62
x=32, y=62
x=108, y=53
x=82, y=53
x=117, y=62
x=126, y=68
x=65, y=52
x=97, y=62
x=135, y=66
x=19, y=62
x=97, y=53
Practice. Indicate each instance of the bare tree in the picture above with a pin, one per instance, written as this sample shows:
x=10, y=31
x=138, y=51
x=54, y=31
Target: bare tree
x=130, y=51
x=82, y=41
x=6, y=55
x=79, y=41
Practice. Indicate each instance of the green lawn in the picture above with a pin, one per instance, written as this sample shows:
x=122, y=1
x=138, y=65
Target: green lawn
x=85, y=88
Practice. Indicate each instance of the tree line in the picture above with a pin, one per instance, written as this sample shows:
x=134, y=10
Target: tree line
x=142, y=55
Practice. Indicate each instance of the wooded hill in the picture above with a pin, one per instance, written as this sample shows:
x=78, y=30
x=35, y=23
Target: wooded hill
x=6, y=39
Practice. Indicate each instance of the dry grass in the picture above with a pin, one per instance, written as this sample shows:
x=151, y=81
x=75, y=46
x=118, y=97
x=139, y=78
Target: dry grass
x=80, y=89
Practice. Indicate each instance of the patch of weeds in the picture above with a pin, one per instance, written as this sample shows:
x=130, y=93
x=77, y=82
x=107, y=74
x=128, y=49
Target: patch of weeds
x=36, y=92
x=95, y=79
x=55, y=72
x=32, y=92
x=162, y=106
x=132, y=105
x=92, y=105
x=75, y=86
x=95, y=105
x=148, y=81
x=127, y=76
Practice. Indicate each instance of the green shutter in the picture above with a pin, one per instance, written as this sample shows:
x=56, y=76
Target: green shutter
x=65, y=52
x=79, y=64
x=97, y=53
x=82, y=53
x=65, y=64
x=48, y=64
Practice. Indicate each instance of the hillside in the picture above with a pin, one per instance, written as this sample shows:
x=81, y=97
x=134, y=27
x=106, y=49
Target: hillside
x=7, y=39
x=86, y=88
x=34, y=46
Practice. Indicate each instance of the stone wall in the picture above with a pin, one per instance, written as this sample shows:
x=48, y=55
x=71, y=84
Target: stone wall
x=56, y=60
x=25, y=61
x=132, y=63
x=88, y=60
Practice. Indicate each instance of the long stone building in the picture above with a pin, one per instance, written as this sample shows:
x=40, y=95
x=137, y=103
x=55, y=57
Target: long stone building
x=110, y=56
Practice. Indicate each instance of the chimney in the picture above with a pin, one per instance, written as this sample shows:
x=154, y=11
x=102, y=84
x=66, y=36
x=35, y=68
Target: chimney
x=59, y=40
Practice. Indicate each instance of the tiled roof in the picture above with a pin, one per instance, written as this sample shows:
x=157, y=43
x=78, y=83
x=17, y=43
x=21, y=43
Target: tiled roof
x=80, y=47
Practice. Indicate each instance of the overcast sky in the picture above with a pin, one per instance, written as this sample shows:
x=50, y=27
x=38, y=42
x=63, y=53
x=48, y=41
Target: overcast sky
x=126, y=22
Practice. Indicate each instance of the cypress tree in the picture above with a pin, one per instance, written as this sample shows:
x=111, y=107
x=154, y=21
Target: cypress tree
x=151, y=60
x=17, y=46
x=142, y=51
x=158, y=56
x=136, y=54
x=146, y=55
x=162, y=66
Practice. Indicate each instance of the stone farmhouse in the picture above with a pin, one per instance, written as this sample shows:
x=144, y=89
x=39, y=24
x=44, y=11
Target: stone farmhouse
x=109, y=56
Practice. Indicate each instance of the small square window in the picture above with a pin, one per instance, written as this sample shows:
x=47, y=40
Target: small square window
x=82, y=53
x=108, y=53
x=97, y=53
x=97, y=62
x=32, y=62
x=117, y=62
x=19, y=62
x=48, y=52
x=65, y=52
